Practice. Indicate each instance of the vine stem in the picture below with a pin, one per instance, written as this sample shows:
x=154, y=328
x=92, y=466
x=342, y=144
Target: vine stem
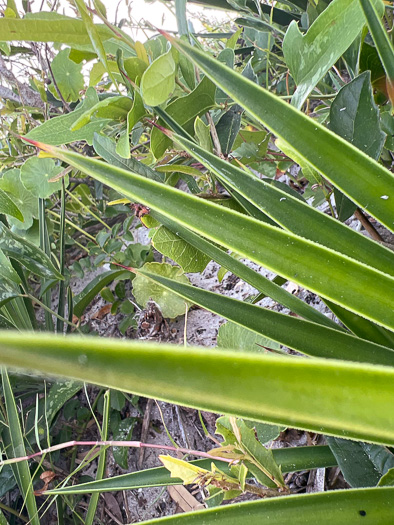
x=133, y=444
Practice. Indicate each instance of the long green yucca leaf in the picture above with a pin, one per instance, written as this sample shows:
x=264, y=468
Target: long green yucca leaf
x=17, y=448
x=360, y=177
x=334, y=276
x=293, y=214
x=306, y=337
x=258, y=281
x=343, y=507
x=290, y=460
x=326, y=396
x=383, y=43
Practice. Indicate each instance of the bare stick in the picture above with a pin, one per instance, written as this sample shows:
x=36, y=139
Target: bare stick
x=133, y=444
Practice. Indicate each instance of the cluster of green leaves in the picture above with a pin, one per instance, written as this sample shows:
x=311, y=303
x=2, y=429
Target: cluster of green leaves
x=225, y=130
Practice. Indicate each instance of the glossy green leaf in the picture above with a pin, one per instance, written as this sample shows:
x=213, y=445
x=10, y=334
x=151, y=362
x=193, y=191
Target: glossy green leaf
x=144, y=290
x=158, y=81
x=57, y=130
x=68, y=76
x=8, y=207
x=354, y=116
x=14, y=438
x=48, y=27
x=171, y=245
x=362, y=464
x=228, y=127
x=11, y=183
x=271, y=389
x=203, y=134
x=358, y=176
x=292, y=213
x=36, y=175
x=27, y=253
x=358, y=507
x=289, y=459
x=184, y=110
x=85, y=297
x=310, y=56
x=330, y=274
x=135, y=68
x=303, y=336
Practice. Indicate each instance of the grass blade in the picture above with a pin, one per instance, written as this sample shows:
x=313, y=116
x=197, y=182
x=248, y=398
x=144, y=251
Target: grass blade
x=17, y=448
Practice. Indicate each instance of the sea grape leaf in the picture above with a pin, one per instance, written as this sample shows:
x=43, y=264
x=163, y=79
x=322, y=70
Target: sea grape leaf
x=144, y=290
x=184, y=110
x=27, y=253
x=355, y=117
x=57, y=131
x=231, y=335
x=106, y=148
x=24, y=199
x=310, y=56
x=158, y=81
x=362, y=464
x=36, y=174
x=68, y=76
x=187, y=256
x=8, y=207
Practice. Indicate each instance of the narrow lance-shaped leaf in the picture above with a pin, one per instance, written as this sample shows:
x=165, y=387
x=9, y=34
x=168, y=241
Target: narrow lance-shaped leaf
x=294, y=214
x=383, y=43
x=361, y=178
x=306, y=337
x=273, y=389
x=15, y=440
x=334, y=276
x=367, y=507
x=257, y=280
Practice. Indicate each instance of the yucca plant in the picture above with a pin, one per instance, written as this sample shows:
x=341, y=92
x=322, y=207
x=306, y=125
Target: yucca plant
x=345, y=388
